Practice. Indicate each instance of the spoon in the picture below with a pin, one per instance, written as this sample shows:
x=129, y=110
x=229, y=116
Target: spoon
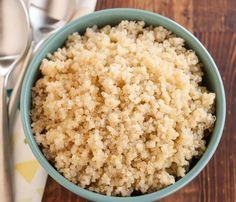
x=14, y=30
x=46, y=16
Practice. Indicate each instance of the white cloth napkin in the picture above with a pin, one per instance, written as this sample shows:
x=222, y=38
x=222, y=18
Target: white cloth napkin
x=30, y=178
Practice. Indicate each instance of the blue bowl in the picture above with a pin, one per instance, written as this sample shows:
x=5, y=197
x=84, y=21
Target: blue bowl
x=113, y=17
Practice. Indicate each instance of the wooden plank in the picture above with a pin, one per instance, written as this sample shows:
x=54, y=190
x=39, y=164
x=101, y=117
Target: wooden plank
x=183, y=13
x=178, y=10
x=218, y=15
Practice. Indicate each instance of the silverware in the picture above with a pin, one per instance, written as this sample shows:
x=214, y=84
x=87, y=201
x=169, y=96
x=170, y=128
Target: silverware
x=14, y=30
x=46, y=17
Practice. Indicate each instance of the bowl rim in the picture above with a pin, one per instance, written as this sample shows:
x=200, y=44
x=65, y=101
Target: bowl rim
x=26, y=95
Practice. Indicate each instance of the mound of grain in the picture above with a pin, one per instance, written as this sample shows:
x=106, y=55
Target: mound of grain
x=121, y=109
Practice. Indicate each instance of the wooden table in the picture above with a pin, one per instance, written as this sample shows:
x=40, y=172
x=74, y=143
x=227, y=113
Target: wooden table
x=214, y=23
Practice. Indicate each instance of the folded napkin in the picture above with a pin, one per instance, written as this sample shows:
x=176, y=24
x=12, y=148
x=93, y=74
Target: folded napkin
x=30, y=178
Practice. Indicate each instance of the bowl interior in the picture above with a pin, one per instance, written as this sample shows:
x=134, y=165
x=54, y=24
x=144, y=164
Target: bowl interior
x=113, y=17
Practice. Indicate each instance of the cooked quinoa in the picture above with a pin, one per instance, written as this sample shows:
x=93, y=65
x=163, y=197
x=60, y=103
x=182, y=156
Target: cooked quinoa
x=122, y=109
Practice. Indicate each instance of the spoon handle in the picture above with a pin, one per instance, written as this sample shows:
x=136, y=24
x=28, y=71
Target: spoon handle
x=15, y=96
x=6, y=193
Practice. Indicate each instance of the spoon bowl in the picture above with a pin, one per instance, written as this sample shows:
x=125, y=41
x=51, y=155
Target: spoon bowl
x=47, y=16
x=14, y=30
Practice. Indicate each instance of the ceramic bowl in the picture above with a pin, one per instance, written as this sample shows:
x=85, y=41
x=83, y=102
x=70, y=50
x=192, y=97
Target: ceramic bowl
x=114, y=16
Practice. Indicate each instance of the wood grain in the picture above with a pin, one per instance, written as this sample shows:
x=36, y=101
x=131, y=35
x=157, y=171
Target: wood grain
x=214, y=23
x=178, y=10
x=217, y=15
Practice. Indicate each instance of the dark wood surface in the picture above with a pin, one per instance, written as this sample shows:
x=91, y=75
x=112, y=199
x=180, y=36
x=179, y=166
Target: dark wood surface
x=214, y=23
